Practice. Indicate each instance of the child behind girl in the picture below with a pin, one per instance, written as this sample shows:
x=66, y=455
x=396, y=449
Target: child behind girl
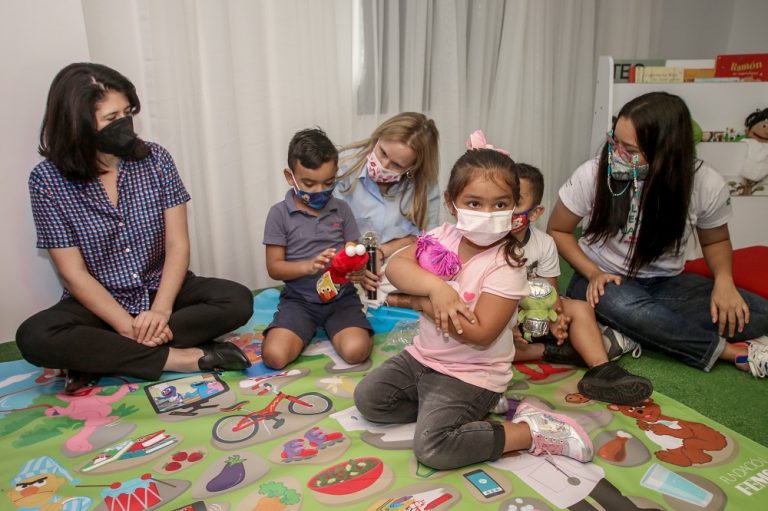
x=586, y=346
x=460, y=363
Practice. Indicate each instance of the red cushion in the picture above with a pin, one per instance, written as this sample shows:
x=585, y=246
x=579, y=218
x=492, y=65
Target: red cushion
x=750, y=269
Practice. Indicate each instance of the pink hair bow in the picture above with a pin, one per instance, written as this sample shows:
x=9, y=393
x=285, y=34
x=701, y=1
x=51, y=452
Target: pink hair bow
x=477, y=141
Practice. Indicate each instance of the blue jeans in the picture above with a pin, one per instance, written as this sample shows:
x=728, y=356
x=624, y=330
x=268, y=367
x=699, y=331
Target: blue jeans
x=671, y=315
x=448, y=412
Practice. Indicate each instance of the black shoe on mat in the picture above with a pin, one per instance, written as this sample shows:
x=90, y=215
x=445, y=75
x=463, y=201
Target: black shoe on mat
x=561, y=354
x=76, y=380
x=611, y=383
x=222, y=356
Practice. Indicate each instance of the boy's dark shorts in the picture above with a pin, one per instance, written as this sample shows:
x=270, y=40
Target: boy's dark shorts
x=301, y=317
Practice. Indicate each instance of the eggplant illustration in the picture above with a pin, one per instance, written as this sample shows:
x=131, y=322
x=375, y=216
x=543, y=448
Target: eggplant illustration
x=230, y=475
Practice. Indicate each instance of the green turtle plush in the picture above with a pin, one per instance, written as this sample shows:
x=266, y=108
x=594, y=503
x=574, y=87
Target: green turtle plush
x=537, y=309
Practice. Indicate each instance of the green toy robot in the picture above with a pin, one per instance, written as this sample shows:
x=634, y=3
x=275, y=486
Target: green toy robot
x=536, y=309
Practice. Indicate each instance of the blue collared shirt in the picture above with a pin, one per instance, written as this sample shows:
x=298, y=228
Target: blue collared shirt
x=381, y=214
x=123, y=247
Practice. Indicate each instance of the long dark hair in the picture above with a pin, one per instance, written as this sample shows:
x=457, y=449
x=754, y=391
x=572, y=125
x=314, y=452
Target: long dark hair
x=496, y=166
x=664, y=132
x=67, y=135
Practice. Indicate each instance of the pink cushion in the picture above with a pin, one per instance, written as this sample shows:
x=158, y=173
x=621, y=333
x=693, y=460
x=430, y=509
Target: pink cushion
x=750, y=269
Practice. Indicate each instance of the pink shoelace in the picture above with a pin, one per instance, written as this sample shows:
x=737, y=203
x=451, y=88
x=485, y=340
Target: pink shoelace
x=543, y=444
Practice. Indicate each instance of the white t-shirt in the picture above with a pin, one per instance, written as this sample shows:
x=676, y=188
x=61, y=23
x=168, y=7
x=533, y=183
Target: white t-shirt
x=710, y=207
x=541, y=255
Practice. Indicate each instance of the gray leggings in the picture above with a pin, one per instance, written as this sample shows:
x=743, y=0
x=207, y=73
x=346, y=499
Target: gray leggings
x=448, y=412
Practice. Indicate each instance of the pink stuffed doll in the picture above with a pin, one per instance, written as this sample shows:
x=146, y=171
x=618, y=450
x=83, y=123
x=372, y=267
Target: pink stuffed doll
x=436, y=258
x=354, y=257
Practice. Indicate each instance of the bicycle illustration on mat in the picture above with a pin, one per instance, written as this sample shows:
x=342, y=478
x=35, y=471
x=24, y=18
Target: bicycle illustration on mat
x=283, y=415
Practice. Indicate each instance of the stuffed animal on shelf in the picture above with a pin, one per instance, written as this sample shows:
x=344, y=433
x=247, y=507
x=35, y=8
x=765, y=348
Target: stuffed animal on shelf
x=354, y=257
x=434, y=257
x=537, y=309
x=755, y=167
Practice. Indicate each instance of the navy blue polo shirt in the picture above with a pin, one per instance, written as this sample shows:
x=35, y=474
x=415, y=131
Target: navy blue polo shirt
x=123, y=247
x=304, y=236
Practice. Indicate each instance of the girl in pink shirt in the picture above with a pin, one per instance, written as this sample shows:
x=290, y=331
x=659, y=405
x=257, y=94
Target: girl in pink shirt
x=460, y=363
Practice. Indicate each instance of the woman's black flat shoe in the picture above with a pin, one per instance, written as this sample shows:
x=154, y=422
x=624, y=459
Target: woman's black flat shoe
x=76, y=380
x=222, y=356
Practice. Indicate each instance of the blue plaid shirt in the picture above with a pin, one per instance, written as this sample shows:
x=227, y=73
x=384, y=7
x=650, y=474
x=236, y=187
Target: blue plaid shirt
x=124, y=246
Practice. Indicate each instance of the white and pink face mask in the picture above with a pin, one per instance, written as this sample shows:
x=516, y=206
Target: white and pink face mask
x=379, y=173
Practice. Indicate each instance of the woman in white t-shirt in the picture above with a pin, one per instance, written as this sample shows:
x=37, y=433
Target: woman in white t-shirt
x=631, y=270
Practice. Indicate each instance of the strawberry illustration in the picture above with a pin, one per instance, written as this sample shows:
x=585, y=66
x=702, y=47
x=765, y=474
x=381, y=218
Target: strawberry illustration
x=195, y=456
x=173, y=466
x=180, y=456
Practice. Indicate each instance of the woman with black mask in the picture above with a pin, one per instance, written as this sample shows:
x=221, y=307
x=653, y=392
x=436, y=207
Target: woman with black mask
x=111, y=211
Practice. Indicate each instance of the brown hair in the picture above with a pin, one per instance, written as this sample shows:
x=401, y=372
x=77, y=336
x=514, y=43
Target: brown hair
x=496, y=166
x=535, y=178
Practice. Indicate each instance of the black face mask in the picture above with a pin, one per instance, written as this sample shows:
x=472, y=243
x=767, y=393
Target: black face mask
x=118, y=138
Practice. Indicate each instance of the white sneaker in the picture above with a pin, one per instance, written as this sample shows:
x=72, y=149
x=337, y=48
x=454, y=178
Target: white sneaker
x=757, y=358
x=616, y=344
x=502, y=406
x=554, y=433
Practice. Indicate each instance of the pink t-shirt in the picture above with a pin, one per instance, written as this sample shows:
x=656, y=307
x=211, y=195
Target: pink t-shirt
x=489, y=366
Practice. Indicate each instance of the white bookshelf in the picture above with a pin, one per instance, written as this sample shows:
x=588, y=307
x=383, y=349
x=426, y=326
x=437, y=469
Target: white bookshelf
x=715, y=107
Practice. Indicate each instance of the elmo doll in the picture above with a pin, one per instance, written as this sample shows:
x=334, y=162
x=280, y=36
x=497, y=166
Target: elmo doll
x=354, y=257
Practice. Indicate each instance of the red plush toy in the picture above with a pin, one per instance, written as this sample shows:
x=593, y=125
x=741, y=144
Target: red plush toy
x=354, y=257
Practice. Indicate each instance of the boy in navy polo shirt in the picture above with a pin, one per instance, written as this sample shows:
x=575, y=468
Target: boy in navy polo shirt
x=302, y=233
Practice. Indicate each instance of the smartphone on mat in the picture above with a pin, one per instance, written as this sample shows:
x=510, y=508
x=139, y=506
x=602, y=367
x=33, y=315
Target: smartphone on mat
x=484, y=483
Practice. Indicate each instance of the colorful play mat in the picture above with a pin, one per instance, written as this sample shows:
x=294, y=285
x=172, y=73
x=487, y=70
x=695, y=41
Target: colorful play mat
x=293, y=439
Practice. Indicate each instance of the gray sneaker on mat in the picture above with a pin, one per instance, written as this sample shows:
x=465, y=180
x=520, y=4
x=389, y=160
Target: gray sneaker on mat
x=616, y=344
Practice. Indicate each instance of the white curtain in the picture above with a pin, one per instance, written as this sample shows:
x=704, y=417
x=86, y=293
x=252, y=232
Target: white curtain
x=225, y=84
x=394, y=55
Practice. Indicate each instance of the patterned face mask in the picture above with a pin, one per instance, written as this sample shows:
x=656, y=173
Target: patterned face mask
x=622, y=164
x=520, y=221
x=315, y=200
x=379, y=173
x=622, y=170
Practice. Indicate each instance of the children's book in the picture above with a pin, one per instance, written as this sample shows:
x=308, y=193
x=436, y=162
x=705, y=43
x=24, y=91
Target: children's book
x=747, y=66
x=108, y=455
x=622, y=67
x=659, y=74
x=691, y=74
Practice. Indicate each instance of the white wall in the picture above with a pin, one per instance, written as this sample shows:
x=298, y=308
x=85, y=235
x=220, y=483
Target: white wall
x=694, y=29
x=701, y=29
x=749, y=33
x=37, y=39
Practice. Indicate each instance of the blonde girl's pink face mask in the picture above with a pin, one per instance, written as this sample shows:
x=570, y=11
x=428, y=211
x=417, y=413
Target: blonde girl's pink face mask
x=379, y=173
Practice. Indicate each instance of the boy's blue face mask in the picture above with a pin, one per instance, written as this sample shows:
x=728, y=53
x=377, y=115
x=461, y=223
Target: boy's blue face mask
x=315, y=200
